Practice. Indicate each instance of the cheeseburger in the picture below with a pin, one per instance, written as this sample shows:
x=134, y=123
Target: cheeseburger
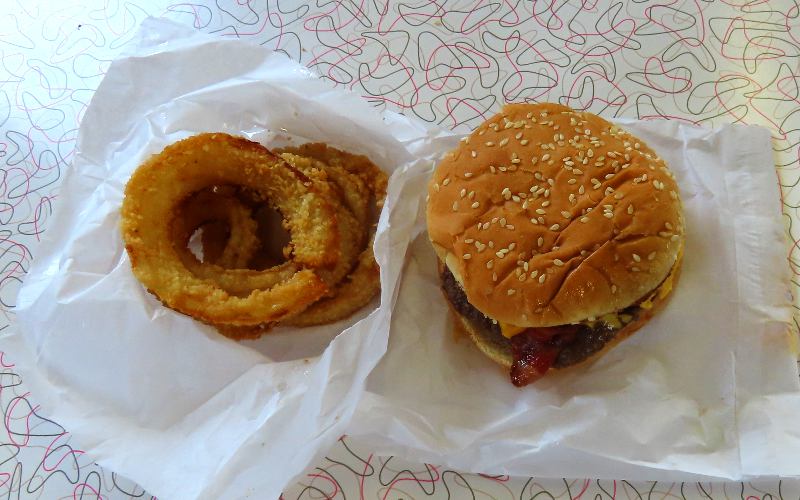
x=558, y=235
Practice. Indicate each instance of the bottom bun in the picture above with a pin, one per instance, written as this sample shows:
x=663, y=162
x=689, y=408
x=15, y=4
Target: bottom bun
x=498, y=348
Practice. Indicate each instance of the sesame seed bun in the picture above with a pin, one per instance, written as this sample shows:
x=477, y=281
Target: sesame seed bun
x=548, y=216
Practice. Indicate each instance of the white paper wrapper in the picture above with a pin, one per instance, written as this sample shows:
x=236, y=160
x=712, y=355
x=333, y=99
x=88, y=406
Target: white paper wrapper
x=707, y=389
x=155, y=395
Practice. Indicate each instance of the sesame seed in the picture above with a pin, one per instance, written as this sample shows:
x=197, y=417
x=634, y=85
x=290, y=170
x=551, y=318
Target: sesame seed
x=518, y=136
x=668, y=225
x=480, y=246
x=522, y=277
x=577, y=171
x=551, y=181
x=572, y=181
x=572, y=198
x=504, y=141
x=590, y=153
x=491, y=244
x=636, y=145
x=463, y=192
x=609, y=190
x=651, y=256
x=613, y=288
x=534, y=221
x=471, y=195
x=467, y=174
x=489, y=264
x=609, y=176
x=494, y=276
x=474, y=154
x=546, y=203
x=542, y=278
x=492, y=169
x=581, y=190
x=503, y=169
x=525, y=265
x=515, y=160
x=512, y=246
x=467, y=256
x=545, y=157
x=636, y=258
x=476, y=205
x=583, y=253
x=584, y=219
x=524, y=142
x=630, y=209
x=436, y=187
x=534, y=274
x=558, y=262
x=538, y=176
x=511, y=291
x=515, y=198
x=469, y=240
x=500, y=255
x=485, y=226
x=510, y=227
x=675, y=237
x=502, y=221
x=455, y=206
x=565, y=214
x=608, y=215
x=446, y=181
x=490, y=143
x=664, y=234
x=541, y=211
x=618, y=196
x=555, y=227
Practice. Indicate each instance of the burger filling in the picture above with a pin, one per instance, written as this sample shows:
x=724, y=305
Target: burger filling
x=536, y=350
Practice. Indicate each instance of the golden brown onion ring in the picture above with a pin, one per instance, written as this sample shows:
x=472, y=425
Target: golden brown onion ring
x=163, y=181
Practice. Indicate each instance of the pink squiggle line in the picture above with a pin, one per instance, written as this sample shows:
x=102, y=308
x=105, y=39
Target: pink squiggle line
x=363, y=476
x=415, y=15
x=517, y=71
x=555, y=16
x=328, y=14
x=193, y=7
x=458, y=100
x=50, y=448
x=39, y=210
x=600, y=77
x=83, y=487
x=681, y=38
x=395, y=60
x=359, y=42
x=460, y=46
x=280, y=27
x=327, y=477
x=414, y=479
x=627, y=37
x=664, y=72
x=10, y=411
x=3, y=362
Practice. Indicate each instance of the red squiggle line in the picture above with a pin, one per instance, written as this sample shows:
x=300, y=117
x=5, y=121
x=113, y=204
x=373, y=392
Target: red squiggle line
x=50, y=447
x=10, y=411
x=413, y=478
x=3, y=361
x=517, y=71
x=364, y=476
x=83, y=487
x=327, y=477
x=627, y=37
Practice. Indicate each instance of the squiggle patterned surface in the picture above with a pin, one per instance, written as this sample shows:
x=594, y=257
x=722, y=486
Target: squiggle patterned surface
x=447, y=62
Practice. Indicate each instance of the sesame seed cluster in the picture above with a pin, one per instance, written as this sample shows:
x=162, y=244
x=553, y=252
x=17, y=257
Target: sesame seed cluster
x=553, y=216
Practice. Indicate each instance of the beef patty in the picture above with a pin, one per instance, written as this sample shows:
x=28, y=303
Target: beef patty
x=574, y=348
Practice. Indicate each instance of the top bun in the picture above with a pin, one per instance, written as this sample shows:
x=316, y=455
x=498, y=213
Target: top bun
x=549, y=216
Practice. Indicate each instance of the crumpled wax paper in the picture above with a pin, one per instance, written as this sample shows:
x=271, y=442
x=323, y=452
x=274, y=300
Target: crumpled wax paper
x=707, y=389
x=153, y=394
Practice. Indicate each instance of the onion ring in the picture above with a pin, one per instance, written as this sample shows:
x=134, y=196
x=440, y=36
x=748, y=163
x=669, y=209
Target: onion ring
x=206, y=160
x=364, y=280
x=229, y=231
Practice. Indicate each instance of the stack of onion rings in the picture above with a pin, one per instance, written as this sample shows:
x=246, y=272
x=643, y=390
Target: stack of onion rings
x=218, y=185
